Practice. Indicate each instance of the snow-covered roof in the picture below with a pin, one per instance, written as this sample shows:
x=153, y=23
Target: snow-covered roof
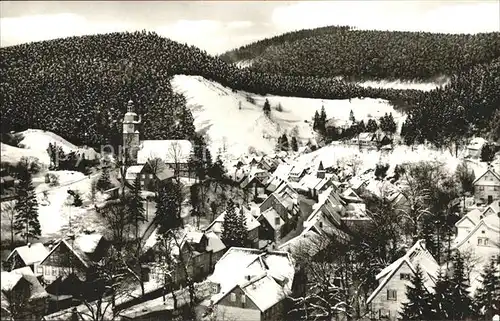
x=237, y=264
x=216, y=225
x=132, y=171
x=282, y=171
x=215, y=244
x=416, y=255
x=10, y=279
x=34, y=253
x=477, y=143
x=170, y=151
x=88, y=242
x=194, y=236
x=493, y=183
x=350, y=194
x=270, y=216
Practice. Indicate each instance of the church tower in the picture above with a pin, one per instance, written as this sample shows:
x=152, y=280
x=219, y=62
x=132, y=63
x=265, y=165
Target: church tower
x=131, y=140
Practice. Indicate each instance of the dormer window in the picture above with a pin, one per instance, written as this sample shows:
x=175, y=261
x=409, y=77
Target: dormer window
x=277, y=221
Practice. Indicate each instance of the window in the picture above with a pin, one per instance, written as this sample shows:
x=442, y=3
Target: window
x=39, y=270
x=392, y=295
x=54, y=271
x=46, y=270
x=404, y=276
x=233, y=297
x=481, y=188
x=496, y=188
x=277, y=221
x=243, y=300
x=482, y=241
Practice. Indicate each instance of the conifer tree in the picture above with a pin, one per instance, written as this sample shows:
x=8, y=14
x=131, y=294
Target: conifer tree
x=267, y=107
x=441, y=302
x=372, y=125
x=361, y=127
x=234, y=232
x=316, y=120
x=26, y=221
x=351, y=116
x=487, y=153
x=284, y=143
x=487, y=298
x=135, y=207
x=322, y=121
x=459, y=294
x=418, y=306
x=168, y=206
x=104, y=181
x=295, y=145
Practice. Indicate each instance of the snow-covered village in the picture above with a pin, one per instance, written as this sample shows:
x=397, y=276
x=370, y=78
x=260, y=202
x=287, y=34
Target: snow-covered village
x=254, y=161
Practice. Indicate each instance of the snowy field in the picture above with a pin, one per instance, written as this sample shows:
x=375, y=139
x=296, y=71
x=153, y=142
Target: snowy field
x=397, y=84
x=340, y=155
x=216, y=111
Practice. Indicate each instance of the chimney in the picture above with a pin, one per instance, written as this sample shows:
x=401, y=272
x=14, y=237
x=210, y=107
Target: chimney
x=29, y=245
x=248, y=277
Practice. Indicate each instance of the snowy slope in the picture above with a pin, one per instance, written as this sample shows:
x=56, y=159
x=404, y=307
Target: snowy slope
x=424, y=86
x=13, y=155
x=340, y=155
x=216, y=112
x=39, y=140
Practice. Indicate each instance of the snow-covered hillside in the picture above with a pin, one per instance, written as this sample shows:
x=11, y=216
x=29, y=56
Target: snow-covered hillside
x=338, y=154
x=12, y=155
x=216, y=112
x=34, y=143
x=37, y=139
x=424, y=86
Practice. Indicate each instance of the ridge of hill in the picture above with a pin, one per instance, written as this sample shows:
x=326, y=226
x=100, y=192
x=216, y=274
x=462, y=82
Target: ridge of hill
x=78, y=87
x=367, y=54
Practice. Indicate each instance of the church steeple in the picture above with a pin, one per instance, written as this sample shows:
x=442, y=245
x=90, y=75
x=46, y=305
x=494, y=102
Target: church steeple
x=131, y=140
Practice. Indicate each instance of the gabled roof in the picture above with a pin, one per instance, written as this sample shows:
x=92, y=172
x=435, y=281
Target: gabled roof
x=216, y=225
x=10, y=279
x=215, y=244
x=350, y=194
x=133, y=171
x=237, y=264
x=491, y=222
x=489, y=170
x=81, y=247
x=416, y=255
x=30, y=254
x=473, y=217
x=270, y=216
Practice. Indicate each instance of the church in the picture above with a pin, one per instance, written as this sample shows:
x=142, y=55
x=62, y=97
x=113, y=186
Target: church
x=172, y=153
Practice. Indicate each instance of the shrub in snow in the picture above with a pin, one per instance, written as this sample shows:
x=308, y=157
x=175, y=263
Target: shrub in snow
x=53, y=179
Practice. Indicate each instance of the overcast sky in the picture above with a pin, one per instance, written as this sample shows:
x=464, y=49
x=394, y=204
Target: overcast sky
x=217, y=26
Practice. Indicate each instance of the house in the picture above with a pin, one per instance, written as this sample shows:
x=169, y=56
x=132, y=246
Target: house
x=254, y=183
x=29, y=255
x=69, y=267
x=7, y=186
x=487, y=187
x=323, y=222
x=284, y=202
x=152, y=174
x=23, y=297
x=174, y=153
x=483, y=242
x=252, y=285
x=365, y=139
x=386, y=301
x=272, y=226
x=350, y=196
x=316, y=182
x=472, y=218
x=475, y=146
x=200, y=252
x=279, y=176
x=251, y=223
x=297, y=172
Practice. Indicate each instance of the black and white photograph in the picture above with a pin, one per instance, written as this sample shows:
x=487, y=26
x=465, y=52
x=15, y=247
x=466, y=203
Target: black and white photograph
x=250, y=160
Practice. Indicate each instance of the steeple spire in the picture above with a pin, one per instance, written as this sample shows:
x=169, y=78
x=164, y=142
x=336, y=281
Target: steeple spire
x=130, y=106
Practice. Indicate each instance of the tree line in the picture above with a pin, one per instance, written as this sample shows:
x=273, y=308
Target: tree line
x=368, y=54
